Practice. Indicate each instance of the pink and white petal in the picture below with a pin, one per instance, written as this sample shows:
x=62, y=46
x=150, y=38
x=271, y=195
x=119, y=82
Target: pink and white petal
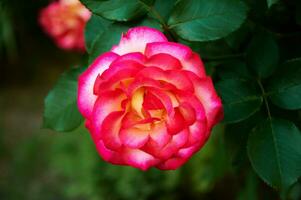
x=174, y=77
x=195, y=65
x=135, y=56
x=139, y=159
x=176, y=50
x=205, y=92
x=136, y=39
x=160, y=135
x=108, y=102
x=86, y=97
x=189, y=151
x=125, y=65
x=170, y=148
x=198, y=133
x=190, y=61
x=110, y=129
x=172, y=164
x=164, y=61
x=134, y=137
x=107, y=154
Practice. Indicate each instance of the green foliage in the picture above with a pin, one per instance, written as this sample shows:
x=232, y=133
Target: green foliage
x=105, y=40
x=240, y=99
x=263, y=60
x=118, y=10
x=61, y=112
x=275, y=152
x=94, y=28
x=201, y=20
x=284, y=89
x=252, y=50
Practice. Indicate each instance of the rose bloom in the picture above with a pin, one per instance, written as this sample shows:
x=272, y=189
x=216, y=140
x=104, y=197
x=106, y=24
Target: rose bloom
x=148, y=102
x=65, y=20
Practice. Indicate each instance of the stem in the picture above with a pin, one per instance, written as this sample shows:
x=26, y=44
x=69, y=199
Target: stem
x=225, y=57
x=264, y=98
x=160, y=19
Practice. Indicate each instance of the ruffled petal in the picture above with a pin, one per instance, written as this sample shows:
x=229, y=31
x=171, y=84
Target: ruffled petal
x=134, y=137
x=107, y=154
x=107, y=103
x=172, y=164
x=139, y=159
x=171, y=148
x=188, y=113
x=86, y=97
x=110, y=130
x=176, y=78
x=205, y=92
x=175, y=123
x=164, y=61
x=135, y=56
x=160, y=135
x=136, y=39
x=189, y=60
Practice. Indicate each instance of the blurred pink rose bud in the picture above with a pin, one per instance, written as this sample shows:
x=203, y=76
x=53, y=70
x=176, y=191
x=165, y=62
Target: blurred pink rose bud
x=64, y=21
x=148, y=102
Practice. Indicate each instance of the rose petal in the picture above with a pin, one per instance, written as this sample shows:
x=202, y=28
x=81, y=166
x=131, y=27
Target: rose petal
x=164, y=61
x=151, y=102
x=189, y=60
x=188, y=113
x=172, y=164
x=134, y=137
x=175, y=123
x=174, y=77
x=205, y=92
x=107, y=103
x=140, y=159
x=107, y=154
x=135, y=56
x=110, y=130
x=136, y=39
x=160, y=135
x=172, y=147
x=86, y=98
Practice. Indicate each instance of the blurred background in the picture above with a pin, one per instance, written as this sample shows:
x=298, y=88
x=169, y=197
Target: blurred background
x=36, y=163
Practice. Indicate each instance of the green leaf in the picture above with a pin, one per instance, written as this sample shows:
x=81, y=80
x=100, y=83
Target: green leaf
x=95, y=27
x=118, y=10
x=271, y=2
x=203, y=20
x=284, y=89
x=274, y=149
x=236, y=137
x=234, y=69
x=106, y=40
x=240, y=99
x=61, y=113
x=263, y=55
x=164, y=8
x=237, y=39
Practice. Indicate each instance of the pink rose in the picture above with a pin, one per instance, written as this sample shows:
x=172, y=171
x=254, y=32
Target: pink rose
x=148, y=102
x=65, y=21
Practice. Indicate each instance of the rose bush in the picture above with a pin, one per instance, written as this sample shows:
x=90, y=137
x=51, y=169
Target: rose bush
x=148, y=102
x=65, y=20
